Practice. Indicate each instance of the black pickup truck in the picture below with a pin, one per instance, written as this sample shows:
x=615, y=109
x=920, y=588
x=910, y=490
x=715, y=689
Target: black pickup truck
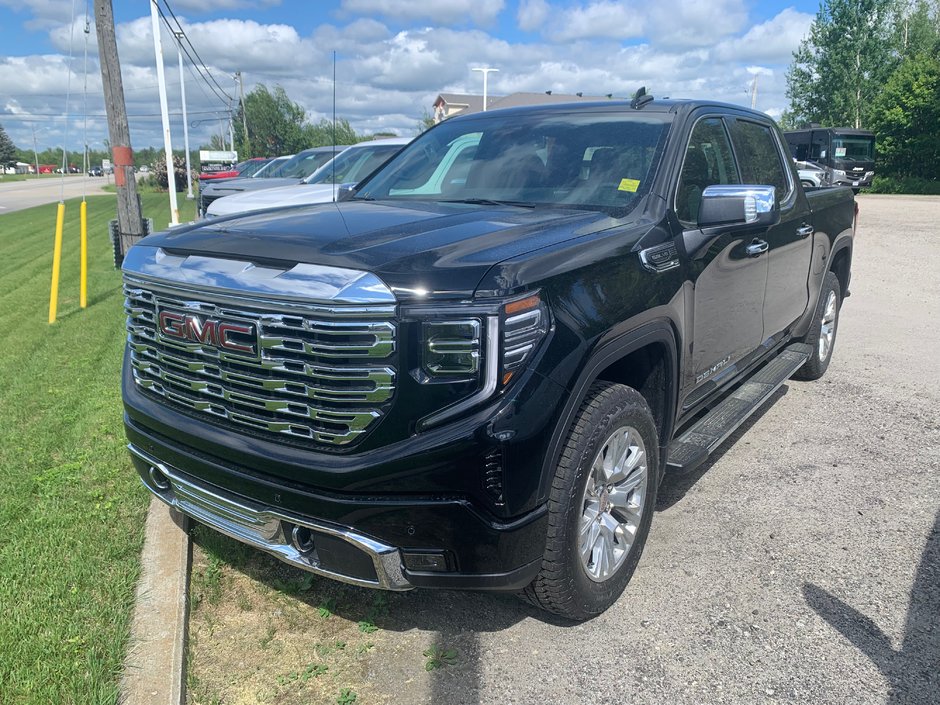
x=475, y=370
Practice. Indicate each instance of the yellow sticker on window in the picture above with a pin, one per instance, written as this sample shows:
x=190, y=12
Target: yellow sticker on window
x=630, y=185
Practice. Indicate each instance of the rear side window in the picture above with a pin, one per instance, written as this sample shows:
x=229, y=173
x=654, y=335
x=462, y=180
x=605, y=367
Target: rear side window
x=758, y=156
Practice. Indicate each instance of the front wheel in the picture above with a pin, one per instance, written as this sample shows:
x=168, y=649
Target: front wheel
x=601, y=504
x=822, y=333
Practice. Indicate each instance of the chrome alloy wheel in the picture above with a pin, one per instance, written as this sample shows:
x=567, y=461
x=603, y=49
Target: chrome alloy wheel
x=827, y=327
x=613, y=503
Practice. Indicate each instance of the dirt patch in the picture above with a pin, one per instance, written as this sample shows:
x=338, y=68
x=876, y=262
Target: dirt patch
x=263, y=632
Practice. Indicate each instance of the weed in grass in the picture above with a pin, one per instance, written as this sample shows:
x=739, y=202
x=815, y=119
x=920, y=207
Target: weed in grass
x=269, y=633
x=346, y=697
x=367, y=627
x=326, y=608
x=242, y=602
x=438, y=657
x=365, y=648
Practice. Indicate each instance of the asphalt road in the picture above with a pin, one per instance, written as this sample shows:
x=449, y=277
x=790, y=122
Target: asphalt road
x=17, y=195
x=801, y=565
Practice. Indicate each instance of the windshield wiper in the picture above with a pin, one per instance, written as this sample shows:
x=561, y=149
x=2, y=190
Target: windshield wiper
x=489, y=202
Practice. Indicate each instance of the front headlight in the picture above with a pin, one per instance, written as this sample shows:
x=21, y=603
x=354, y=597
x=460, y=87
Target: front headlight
x=479, y=354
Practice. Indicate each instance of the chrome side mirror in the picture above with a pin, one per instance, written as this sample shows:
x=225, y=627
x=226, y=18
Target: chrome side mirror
x=731, y=205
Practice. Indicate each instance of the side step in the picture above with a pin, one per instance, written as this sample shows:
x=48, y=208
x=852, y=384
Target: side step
x=690, y=450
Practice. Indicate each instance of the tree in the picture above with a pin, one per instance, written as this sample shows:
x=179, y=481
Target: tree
x=7, y=150
x=905, y=116
x=838, y=70
x=276, y=124
x=321, y=134
x=426, y=122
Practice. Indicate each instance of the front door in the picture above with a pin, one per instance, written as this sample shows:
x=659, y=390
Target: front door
x=728, y=297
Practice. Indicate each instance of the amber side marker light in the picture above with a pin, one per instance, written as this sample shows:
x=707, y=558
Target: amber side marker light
x=529, y=302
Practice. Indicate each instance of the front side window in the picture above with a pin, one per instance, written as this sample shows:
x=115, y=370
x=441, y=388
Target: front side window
x=708, y=161
x=758, y=156
x=597, y=161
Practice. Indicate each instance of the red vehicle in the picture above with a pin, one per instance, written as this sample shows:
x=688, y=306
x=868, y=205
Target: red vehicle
x=47, y=168
x=245, y=168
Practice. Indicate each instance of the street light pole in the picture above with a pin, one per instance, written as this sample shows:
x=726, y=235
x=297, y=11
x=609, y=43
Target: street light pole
x=486, y=72
x=164, y=113
x=189, y=169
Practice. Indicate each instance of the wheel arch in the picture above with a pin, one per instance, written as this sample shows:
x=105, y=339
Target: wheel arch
x=646, y=359
x=840, y=263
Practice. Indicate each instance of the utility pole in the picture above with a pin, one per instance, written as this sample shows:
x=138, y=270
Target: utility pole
x=241, y=95
x=164, y=113
x=189, y=169
x=486, y=73
x=754, y=92
x=130, y=222
x=35, y=153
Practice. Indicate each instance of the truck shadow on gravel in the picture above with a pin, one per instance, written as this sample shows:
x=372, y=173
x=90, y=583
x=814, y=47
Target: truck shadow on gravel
x=913, y=670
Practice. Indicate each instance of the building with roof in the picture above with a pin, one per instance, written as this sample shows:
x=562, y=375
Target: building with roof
x=449, y=104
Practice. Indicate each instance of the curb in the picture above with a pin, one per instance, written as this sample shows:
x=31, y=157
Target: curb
x=156, y=659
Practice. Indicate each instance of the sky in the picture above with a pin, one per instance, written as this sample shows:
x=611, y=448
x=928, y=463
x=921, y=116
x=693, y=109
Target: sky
x=393, y=57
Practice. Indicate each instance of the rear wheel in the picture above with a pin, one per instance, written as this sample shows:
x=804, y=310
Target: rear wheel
x=601, y=504
x=822, y=333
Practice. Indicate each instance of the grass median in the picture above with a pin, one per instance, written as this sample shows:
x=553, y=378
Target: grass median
x=72, y=510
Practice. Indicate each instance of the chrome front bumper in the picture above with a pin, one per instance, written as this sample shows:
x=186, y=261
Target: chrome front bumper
x=288, y=537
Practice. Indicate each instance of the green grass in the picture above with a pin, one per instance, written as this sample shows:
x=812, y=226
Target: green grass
x=72, y=508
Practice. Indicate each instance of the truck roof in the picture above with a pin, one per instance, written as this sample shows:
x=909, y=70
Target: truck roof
x=657, y=105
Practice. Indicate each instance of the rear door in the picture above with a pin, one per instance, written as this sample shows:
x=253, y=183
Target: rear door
x=761, y=160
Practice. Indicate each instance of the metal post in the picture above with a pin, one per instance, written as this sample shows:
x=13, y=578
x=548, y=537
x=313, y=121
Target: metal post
x=35, y=153
x=164, y=113
x=189, y=170
x=241, y=94
x=486, y=73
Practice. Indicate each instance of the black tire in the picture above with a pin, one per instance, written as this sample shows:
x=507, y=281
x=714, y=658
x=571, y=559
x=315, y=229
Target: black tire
x=563, y=585
x=818, y=362
x=808, y=184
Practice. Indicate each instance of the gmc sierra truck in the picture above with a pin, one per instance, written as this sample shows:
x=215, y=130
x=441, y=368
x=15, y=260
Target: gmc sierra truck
x=476, y=368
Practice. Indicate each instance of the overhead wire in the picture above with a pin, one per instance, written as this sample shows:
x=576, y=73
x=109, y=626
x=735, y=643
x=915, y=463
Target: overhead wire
x=190, y=50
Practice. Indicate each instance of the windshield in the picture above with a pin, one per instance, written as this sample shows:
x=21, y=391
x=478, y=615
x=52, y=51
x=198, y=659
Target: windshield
x=253, y=167
x=853, y=149
x=599, y=161
x=302, y=165
x=270, y=169
x=354, y=164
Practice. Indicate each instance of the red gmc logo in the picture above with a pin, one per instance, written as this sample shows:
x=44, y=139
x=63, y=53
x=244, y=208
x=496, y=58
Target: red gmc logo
x=225, y=335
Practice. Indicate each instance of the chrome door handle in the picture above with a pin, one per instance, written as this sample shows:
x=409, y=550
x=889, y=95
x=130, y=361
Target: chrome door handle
x=805, y=230
x=756, y=248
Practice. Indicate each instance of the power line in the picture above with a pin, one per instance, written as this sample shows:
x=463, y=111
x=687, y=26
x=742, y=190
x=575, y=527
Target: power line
x=217, y=85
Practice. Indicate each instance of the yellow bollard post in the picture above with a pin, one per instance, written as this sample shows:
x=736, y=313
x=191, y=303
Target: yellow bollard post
x=83, y=282
x=56, y=259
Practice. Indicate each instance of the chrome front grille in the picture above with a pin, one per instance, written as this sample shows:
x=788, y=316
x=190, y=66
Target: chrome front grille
x=318, y=374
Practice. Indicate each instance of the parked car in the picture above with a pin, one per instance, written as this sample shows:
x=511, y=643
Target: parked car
x=292, y=171
x=349, y=167
x=96, y=171
x=812, y=175
x=479, y=380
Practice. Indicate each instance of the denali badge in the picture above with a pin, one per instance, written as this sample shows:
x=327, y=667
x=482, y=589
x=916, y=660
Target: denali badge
x=230, y=336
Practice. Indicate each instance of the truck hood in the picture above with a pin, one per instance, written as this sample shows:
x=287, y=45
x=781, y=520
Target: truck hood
x=420, y=249
x=242, y=184
x=296, y=194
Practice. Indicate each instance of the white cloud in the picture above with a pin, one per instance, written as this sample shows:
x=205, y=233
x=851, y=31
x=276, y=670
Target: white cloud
x=605, y=18
x=532, y=14
x=482, y=12
x=386, y=78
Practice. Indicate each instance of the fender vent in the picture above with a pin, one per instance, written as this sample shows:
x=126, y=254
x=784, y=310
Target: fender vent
x=493, y=476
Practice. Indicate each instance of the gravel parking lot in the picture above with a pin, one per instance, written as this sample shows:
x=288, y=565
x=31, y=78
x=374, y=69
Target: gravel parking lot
x=801, y=565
